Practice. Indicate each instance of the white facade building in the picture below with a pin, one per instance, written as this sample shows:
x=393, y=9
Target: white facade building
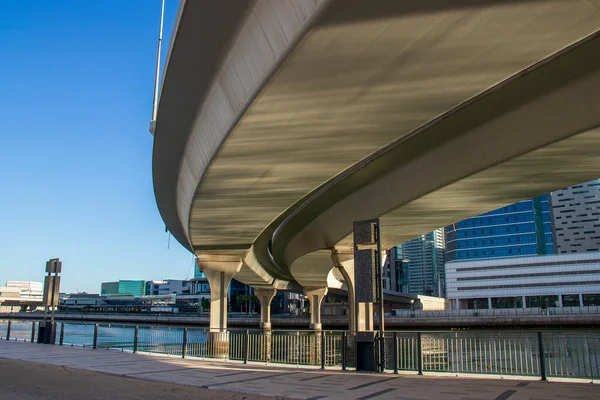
x=29, y=290
x=175, y=286
x=576, y=218
x=562, y=280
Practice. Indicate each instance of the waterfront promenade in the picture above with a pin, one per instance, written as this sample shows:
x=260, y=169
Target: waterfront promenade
x=83, y=374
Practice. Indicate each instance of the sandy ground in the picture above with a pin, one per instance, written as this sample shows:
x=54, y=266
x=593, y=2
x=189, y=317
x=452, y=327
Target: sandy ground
x=23, y=380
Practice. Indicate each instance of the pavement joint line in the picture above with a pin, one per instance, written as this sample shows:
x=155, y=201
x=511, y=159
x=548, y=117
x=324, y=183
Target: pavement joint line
x=314, y=377
x=114, y=364
x=156, y=372
x=251, y=379
x=505, y=395
x=317, y=398
x=523, y=384
x=373, y=383
x=370, y=396
x=234, y=373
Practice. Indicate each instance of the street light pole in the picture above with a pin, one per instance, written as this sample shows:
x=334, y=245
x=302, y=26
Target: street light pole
x=381, y=306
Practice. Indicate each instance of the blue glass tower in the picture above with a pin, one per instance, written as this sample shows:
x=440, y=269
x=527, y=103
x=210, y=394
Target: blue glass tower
x=520, y=229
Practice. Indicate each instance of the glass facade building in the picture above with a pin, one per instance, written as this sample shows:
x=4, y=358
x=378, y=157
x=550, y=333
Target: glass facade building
x=425, y=255
x=396, y=271
x=123, y=288
x=517, y=230
x=417, y=266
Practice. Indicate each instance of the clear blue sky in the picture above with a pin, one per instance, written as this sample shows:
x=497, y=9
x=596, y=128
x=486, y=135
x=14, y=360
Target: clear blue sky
x=75, y=154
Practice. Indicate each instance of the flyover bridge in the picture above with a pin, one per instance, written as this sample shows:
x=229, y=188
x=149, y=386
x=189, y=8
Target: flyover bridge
x=281, y=122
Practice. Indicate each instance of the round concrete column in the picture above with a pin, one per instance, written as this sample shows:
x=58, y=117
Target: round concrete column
x=265, y=296
x=219, y=271
x=315, y=296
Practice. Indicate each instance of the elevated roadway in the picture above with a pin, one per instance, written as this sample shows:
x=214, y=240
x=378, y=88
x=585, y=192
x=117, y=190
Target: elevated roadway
x=281, y=122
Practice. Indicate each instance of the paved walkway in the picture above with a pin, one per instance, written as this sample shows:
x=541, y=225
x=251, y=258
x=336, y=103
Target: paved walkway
x=286, y=381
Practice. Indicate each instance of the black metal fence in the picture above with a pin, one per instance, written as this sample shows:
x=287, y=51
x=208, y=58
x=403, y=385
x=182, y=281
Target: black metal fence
x=565, y=354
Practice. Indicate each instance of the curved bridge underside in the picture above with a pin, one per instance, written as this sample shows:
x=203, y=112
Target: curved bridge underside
x=282, y=122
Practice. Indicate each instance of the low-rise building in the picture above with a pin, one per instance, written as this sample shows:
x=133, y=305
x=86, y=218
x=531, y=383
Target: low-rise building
x=561, y=280
x=175, y=286
x=135, y=288
x=29, y=290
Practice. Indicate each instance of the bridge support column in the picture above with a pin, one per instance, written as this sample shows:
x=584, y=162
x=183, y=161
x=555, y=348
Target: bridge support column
x=364, y=317
x=219, y=269
x=345, y=263
x=265, y=296
x=315, y=296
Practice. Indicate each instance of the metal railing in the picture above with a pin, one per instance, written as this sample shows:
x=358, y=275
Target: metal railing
x=18, y=330
x=552, y=353
x=496, y=312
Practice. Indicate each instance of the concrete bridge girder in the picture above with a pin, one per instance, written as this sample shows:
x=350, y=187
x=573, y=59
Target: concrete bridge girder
x=505, y=148
x=226, y=94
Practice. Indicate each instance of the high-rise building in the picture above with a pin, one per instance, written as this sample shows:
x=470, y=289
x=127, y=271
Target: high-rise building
x=395, y=275
x=423, y=272
x=576, y=216
x=517, y=230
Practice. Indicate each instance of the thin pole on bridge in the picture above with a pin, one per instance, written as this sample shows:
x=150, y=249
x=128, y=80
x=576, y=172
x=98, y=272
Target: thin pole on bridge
x=157, y=73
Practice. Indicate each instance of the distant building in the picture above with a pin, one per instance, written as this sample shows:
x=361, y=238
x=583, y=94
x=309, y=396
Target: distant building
x=109, y=288
x=153, y=287
x=81, y=301
x=7, y=292
x=200, y=282
x=29, y=290
x=517, y=230
x=576, y=218
x=175, y=286
x=419, y=265
x=395, y=275
x=562, y=280
x=285, y=303
x=133, y=288
x=9, y=296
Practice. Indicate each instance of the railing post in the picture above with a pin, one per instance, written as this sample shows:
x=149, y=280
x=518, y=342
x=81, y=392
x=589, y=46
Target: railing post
x=32, y=331
x=542, y=355
x=184, y=344
x=62, y=333
x=322, y=349
x=395, y=352
x=54, y=328
x=298, y=348
x=95, y=342
x=246, y=346
x=135, y=338
x=344, y=344
x=419, y=354
x=8, y=330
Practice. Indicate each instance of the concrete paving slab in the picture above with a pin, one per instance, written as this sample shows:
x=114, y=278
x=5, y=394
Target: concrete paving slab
x=218, y=378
